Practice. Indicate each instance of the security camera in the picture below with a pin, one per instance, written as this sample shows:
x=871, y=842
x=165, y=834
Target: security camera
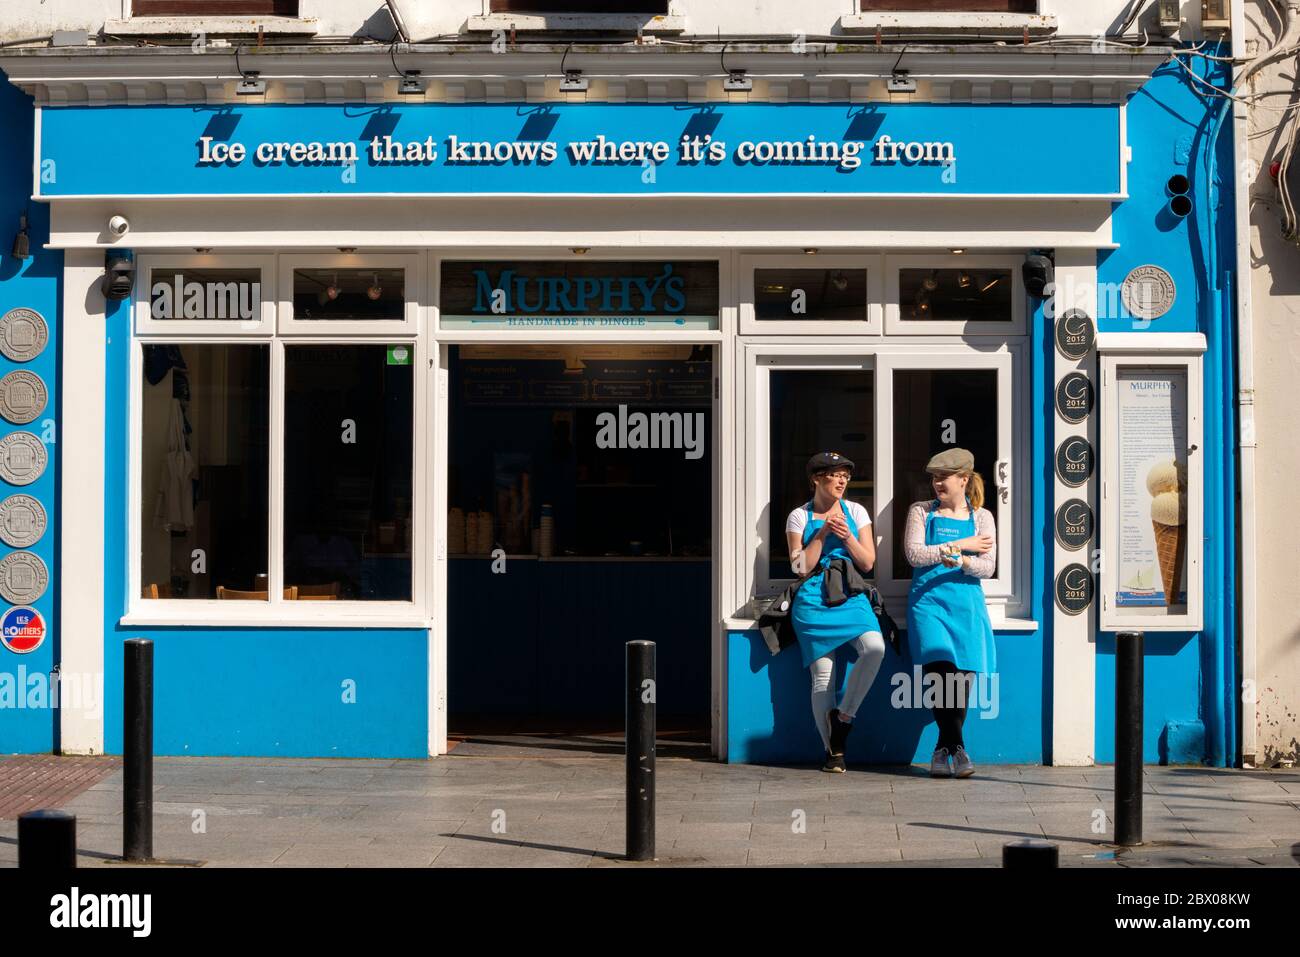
x=118, y=226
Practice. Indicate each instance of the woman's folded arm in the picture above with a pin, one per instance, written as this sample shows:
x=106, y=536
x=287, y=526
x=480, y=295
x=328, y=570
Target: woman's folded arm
x=983, y=566
x=917, y=553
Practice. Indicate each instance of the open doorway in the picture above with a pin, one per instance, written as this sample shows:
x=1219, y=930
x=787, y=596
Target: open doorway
x=579, y=496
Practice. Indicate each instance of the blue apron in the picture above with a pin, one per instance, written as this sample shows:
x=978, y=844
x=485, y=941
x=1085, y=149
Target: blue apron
x=947, y=619
x=821, y=630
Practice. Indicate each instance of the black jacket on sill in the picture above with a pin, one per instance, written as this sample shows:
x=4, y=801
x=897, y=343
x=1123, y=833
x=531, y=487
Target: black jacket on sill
x=842, y=582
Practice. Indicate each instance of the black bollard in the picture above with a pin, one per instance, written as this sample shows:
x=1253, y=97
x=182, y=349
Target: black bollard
x=47, y=840
x=1128, y=738
x=640, y=755
x=137, y=751
x=1030, y=854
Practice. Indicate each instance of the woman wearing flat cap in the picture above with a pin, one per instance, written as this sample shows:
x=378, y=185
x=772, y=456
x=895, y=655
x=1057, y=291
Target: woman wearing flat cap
x=825, y=527
x=950, y=543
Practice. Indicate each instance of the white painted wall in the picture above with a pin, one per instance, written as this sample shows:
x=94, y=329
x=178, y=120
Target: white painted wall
x=20, y=19
x=1275, y=315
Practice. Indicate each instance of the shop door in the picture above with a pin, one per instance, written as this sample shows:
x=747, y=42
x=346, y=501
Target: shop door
x=579, y=494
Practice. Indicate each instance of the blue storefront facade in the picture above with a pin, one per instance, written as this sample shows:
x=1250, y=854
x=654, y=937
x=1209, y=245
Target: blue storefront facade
x=1121, y=186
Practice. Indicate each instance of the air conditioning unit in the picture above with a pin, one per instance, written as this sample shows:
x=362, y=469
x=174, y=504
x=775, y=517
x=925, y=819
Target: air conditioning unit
x=1216, y=14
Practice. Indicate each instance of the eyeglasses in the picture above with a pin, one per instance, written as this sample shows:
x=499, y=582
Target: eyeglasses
x=838, y=474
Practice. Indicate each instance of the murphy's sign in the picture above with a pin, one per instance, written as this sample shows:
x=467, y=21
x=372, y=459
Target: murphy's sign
x=567, y=296
x=583, y=149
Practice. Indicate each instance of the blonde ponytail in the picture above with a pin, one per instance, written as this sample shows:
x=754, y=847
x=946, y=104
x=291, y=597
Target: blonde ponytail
x=975, y=490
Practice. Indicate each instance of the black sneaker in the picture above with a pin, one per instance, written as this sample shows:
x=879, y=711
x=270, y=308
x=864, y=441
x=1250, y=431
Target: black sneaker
x=834, y=763
x=839, y=732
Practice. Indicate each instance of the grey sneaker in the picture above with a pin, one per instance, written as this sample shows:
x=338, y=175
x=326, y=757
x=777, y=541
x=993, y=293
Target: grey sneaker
x=939, y=764
x=962, y=765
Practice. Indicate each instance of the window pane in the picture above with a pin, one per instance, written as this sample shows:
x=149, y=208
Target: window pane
x=814, y=412
x=810, y=294
x=355, y=295
x=955, y=295
x=210, y=294
x=204, y=471
x=579, y=6
x=348, y=424
x=934, y=410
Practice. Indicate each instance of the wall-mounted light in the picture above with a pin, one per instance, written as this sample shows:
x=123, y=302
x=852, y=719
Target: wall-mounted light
x=22, y=245
x=900, y=82
x=251, y=84
x=411, y=84
x=374, y=290
x=573, y=82
x=737, y=81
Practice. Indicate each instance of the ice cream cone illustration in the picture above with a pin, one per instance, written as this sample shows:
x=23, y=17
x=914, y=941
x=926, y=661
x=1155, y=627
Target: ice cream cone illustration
x=1167, y=484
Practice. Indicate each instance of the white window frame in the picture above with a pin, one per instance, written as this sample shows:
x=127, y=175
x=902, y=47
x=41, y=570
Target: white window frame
x=276, y=610
x=872, y=320
x=895, y=324
x=1007, y=594
x=1151, y=619
x=145, y=324
x=413, y=284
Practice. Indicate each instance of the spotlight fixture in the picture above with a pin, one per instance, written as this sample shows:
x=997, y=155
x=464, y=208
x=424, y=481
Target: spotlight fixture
x=963, y=280
x=580, y=250
x=374, y=291
x=573, y=82
x=202, y=249
x=347, y=249
x=252, y=84
x=737, y=82
x=839, y=281
x=957, y=252
x=411, y=84
x=901, y=82
x=22, y=245
x=810, y=251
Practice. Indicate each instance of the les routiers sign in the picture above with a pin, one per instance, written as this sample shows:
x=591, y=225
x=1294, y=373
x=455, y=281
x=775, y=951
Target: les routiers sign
x=621, y=149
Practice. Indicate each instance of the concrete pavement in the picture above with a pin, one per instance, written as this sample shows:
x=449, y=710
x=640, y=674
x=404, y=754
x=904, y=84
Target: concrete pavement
x=509, y=803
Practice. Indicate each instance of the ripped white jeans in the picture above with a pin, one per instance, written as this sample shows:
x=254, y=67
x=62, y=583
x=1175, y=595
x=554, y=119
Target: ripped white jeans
x=870, y=646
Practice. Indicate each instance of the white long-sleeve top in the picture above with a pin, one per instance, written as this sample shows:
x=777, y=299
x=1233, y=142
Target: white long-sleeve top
x=920, y=555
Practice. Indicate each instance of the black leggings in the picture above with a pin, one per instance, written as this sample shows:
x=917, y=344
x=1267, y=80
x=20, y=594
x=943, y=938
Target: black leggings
x=953, y=695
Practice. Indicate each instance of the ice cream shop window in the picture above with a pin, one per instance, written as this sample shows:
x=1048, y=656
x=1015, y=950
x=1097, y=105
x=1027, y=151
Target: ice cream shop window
x=1152, y=493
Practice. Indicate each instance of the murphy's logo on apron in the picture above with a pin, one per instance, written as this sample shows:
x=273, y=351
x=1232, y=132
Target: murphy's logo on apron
x=231, y=294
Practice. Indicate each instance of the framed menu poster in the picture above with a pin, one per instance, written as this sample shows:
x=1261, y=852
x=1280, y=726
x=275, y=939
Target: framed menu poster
x=1152, y=494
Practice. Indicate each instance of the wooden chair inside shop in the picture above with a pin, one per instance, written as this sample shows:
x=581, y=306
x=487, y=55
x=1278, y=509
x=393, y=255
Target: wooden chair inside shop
x=327, y=592
x=155, y=590
x=224, y=594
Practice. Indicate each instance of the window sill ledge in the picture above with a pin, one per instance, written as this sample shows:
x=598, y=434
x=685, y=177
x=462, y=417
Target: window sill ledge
x=1010, y=23
x=649, y=23
x=280, y=621
x=212, y=26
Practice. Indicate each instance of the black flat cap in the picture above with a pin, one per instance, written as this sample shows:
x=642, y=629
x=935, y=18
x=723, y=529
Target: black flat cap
x=825, y=461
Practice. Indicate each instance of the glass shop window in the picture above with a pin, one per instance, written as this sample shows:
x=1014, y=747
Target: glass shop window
x=579, y=6
x=956, y=295
x=349, y=295
x=201, y=294
x=204, y=461
x=810, y=294
x=810, y=412
x=933, y=410
x=348, y=472
x=206, y=8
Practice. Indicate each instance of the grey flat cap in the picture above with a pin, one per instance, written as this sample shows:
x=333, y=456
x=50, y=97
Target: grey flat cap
x=952, y=460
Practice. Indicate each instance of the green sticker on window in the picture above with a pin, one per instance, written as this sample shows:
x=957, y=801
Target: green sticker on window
x=399, y=355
